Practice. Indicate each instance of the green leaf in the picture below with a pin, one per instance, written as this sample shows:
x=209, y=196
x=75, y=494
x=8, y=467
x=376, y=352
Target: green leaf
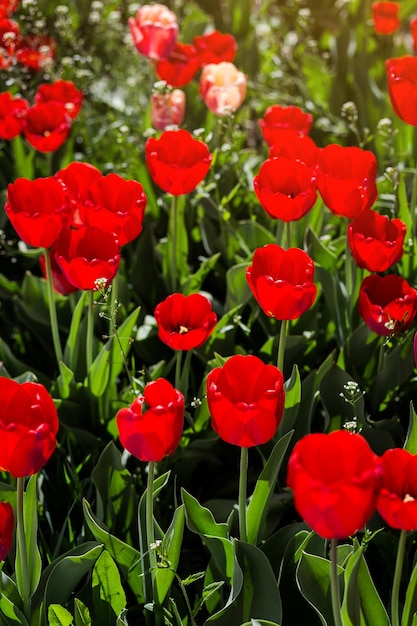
x=319, y=252
x=112, y=352
x=264, y=488
x=34, y=562
x=361, y=604
x=178, y=236
x=127, y=558
x=238, y=290
x=411, y=439
x=171, y=550
x=194, y=282
x=313, y=576
x=410, y=607
x=108, y=595
x=11, y=612
x=254, y=589
x=292, y=402
x=260, y=622
x=58, y=616
x=81, y=614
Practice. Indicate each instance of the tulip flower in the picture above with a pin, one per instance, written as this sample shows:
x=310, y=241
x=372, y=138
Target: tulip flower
x=63, y=91
x=387, y=304
x=335, y=479
x=151, y=427
x=12, y=112
x=222, y=87
x=185, y=322
x=60, y=282
x=6, y=529
x=397, y=498
x=35, y=51
x=285, y=188
x=167, y=109
x=278, y=118
x=347, y=179
x=246, y=400
x=376, y=241
x=215, y=47
x=46, y=126
x=180, y=67
x=176, y=161
x=385, y=16
x=38, y=210
x=154, y=31
x=28, y=427
x=402, y=87
x=7, y=7
x=9, y=37
x=282, y=281
x=291, y=145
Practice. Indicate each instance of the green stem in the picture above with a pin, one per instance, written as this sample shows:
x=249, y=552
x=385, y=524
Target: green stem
x=52, y=310
x=395, y=613
x=150, y=534
x=381, y=356
x=174, y=217
x=23, y=556
x=178, y=360
x=243, y=477
x=90, y=331
x=413, y=205
x=281, y=346
x=334, y=584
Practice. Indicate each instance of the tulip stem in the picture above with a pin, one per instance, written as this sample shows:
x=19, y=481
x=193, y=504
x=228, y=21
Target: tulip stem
x=395, y=615
x=22, y=552
x=334, y=584
x=243, y=477
x=150, y=535
x=381, y=356
x=178, y=361
x=174, y=217
x=281, y=346
x=90, y=331
x=52, y=309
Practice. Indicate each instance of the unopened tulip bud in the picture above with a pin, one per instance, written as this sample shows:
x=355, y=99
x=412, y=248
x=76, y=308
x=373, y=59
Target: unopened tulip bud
x=222, y=87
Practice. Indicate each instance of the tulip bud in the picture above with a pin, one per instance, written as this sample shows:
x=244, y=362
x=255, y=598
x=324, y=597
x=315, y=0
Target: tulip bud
x=222, y=87
x=167, y=109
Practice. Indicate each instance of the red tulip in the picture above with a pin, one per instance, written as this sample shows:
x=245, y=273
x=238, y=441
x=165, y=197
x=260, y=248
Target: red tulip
x=38, y=210
x=385, y=16
x=387, y=304
x=185, y=322
x=77, y=178
x=285, y=188
x=402, y=87
x=9, y=35
x=246, y=400
x=335, y=480
x=6, y=529
x=376, y=241
x=154, y=31
x=180, y=67
x=347, y=179
x=28, y=427
x=167, y=109
x=282, y=281
x=397, y=498
x=222, y=87
x=59, y=281
x=35, y=51
x=176, y=161
x=7, y=7
x=86, y=255
x=46, y=126
x=151, y=427
x=115, y=205
x=215, y=47
x=278, y=118
x=63, y=91
x=291, y=145
x=12, y=112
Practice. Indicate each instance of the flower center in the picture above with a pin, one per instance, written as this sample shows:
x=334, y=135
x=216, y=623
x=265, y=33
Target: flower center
x=183, y=330
x=408, y=498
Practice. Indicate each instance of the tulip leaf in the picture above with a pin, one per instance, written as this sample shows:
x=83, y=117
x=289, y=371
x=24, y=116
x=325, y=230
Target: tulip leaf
x=111, y=356
x=361, y=604
x=58, y=616
x=175, y=261
x=72, y=347
x=292, y=402
x=194, y=282
x=264, y=488
x=108, y=596
x=31, y=534
x=238, y=290
x=260, y=622
x=81, y=614
x=171, y=550
x=127, y=558
x=319, y=252
x=254, y=589
x=10, y=614
x=409, y=616
x=313, y=576
x=411, y=439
